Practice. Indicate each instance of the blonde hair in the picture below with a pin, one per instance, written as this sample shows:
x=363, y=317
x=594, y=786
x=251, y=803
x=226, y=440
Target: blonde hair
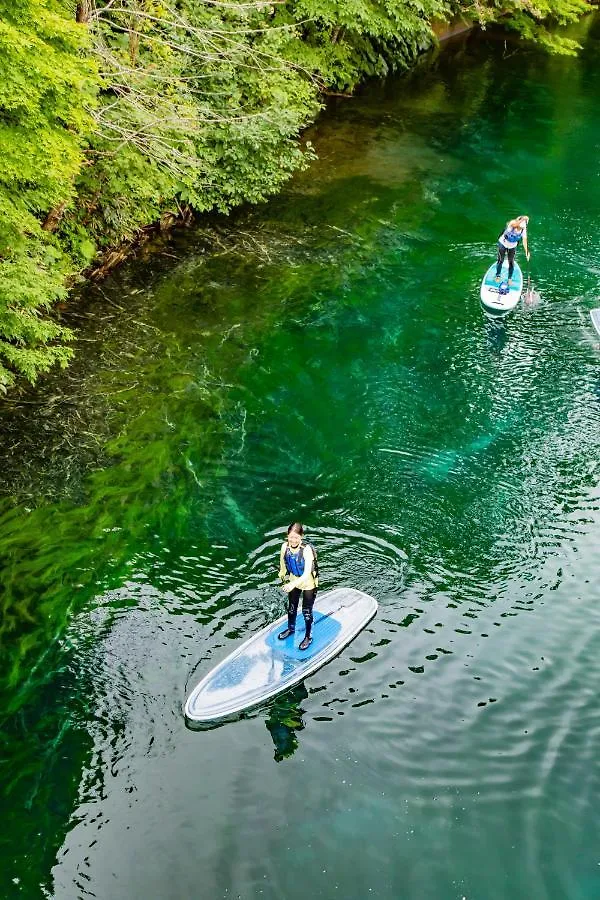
x=519, y=222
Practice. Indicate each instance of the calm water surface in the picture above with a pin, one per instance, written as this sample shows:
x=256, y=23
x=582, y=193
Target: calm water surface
x=326, y=358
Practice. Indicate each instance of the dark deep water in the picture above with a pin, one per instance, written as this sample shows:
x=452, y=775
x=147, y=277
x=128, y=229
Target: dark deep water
x=328, y=359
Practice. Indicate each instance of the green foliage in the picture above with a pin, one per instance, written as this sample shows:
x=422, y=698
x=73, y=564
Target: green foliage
x=351, y=40
x=535, y=22
x=200, y=108
x=122, y=120
x=46, y=88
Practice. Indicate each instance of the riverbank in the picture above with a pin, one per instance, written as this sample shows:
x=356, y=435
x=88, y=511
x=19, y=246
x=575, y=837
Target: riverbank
x=122, y=118
x=186, y=217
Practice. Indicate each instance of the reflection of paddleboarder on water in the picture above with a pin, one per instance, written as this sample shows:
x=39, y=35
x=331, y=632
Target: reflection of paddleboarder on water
x=515, y=231
x=285, y=719
x=297, y=567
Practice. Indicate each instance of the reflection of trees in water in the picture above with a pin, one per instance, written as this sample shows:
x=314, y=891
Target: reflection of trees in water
x=285, y=719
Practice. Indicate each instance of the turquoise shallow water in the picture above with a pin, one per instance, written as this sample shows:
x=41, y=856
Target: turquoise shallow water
x=326, y=358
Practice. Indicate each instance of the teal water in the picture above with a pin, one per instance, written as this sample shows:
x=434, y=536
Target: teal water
x=326, y=358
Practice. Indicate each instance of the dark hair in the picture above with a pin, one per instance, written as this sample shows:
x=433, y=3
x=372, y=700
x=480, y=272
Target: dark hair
x=297, y=527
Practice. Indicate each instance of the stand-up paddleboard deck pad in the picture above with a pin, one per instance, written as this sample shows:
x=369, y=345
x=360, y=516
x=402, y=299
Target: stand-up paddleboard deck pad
x=490, y=288
x=595, y=314
x=264, y=666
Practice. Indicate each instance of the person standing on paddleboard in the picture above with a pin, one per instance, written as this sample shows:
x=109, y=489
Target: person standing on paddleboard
x=298, y=569
x=508, y=241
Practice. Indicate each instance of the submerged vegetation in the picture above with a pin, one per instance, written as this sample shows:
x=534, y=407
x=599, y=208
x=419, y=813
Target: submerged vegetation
x=124, y=113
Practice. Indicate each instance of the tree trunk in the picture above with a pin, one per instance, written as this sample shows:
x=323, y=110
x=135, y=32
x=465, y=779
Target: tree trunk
x=54, y=216
x=134, y=43
x=84, y=11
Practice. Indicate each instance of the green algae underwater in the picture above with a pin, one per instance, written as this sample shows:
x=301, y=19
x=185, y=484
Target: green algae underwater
x=325, y=357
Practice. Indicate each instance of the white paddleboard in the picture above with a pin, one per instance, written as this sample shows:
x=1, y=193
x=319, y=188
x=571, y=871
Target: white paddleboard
x=595, y=314
x=492, y=292
x=264, y=666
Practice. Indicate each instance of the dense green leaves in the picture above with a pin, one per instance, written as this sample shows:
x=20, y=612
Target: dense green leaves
x=353, y=38
x=47, y=88
x=116, y=116
x=533, y=21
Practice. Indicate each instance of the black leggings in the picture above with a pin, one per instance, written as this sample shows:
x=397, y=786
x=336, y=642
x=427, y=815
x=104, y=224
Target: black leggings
x=502, y=251
x=308, y=600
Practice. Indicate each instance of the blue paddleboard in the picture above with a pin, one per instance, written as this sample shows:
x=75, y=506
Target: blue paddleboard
x=264, y=666
x=595, y=316
x=501, y=296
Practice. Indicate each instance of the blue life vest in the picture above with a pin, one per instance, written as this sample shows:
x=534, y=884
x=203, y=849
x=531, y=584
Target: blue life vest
x=512, y=236
x=294, y=562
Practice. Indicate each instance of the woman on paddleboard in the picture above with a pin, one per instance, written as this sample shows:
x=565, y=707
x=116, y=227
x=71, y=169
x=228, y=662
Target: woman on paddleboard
x=298, y=569
x=515, y=231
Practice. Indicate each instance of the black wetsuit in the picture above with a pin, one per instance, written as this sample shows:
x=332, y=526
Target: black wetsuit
x=308, y=601
x=502, y=252
x=512, y=236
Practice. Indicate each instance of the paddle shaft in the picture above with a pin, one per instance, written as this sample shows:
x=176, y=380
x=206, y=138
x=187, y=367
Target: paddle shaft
x=337, y=609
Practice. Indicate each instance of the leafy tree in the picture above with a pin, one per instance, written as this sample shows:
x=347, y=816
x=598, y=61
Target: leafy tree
x=533, y=21
x=46, y=90
x=346, y=41
x=199, y=107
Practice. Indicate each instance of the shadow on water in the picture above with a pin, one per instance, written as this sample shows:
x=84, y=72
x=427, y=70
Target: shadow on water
x=285, y=720
x=496, y=328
